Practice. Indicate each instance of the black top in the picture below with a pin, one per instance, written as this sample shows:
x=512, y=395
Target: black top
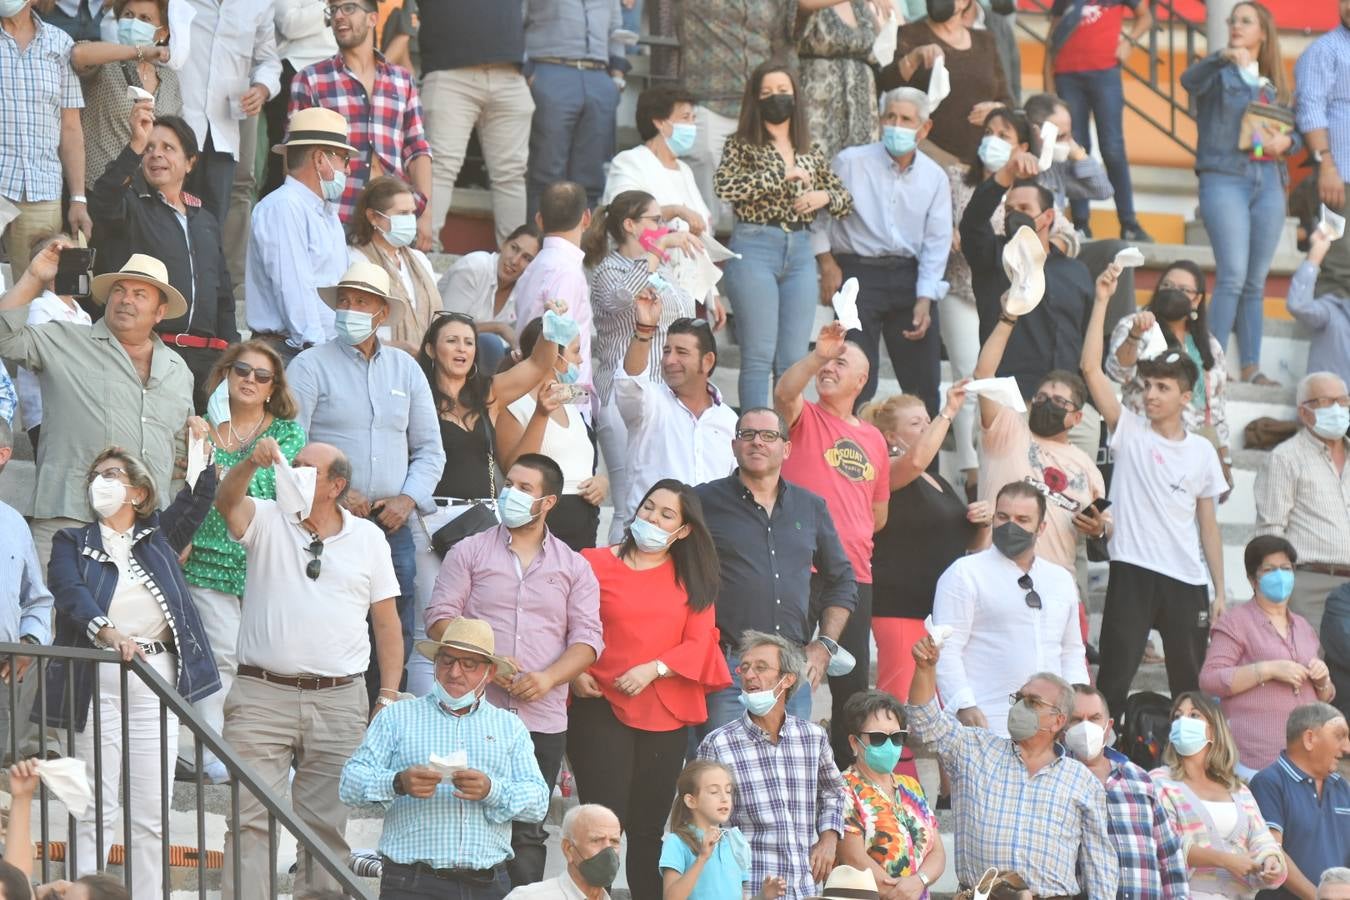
x=1051, y=335
x=455, y=34
x=766, y=558
x=467, y=458
x=926, y=531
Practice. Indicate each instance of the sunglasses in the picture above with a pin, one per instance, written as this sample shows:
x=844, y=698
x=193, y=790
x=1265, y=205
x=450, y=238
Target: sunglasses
x=454, y=316
x=1033, y=598
x=877, y=738
x=687, y=322
x=260, y=375
x=315, y=565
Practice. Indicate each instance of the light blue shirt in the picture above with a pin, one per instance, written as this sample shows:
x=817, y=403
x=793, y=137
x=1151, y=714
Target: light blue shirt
x=1328, y=316
x=296, y=246
x=25, y=602
x=896, y=213
x=1323, y=96
x=722, y=876
x=377, y=411
x=444, y=831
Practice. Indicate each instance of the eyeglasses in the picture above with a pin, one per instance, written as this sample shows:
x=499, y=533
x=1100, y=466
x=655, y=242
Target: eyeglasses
x=757, y=668
x=469, y=665
x=112, y=473
x=244, y=370
x=877, y=738
x=315, y=565
x=1037, y=703
x=346, y=10
x=1033, y=598
x=1063, y=403
x=1245, y=20
x=1188, y=291
x=1324, y=402
x=767, y=435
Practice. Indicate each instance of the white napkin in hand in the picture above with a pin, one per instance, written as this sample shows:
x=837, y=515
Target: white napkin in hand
x=1332, y=225
x=295, y=488
x=196, y=460
x=1024, y=264
x=1049, y=134
x=1153, y=343
x=138, y=93
x=1130, y=258
x=68, y=779
x=888, y=37
x=939, y=633
x=845, y=305
x=448, y=765
x=1003, y=391
x=939, y=84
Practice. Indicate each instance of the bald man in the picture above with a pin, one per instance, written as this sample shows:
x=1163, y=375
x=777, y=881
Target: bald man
x=590, y=844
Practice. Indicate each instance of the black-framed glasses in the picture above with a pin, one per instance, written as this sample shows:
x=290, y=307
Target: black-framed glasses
x=260, y=375
x=315, y=565
x=347, y=10
x=1063, y=403
x=1324, y=402
x=1190, y=292
x=877, y=738
x=112, y=473
x=767, y=435
x=469, y=665
x=1033, y=598
x=1040, y=704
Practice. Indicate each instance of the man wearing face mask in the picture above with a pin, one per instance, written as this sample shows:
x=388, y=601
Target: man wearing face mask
x=895, y=243
x=590, y=847
x=1152, y=863
x=297, y=244
x=543, y=603
x=460, y=827
x=1020, y=802
x=1301, y=493
x=1073, y=173
x=1011, y=612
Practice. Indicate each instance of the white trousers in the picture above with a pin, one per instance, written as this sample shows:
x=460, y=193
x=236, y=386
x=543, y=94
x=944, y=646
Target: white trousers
x=960, y=325
x=219, y=613
x=612, y=433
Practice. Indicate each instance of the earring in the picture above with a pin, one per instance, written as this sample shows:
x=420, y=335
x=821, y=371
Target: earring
x=1195, y=314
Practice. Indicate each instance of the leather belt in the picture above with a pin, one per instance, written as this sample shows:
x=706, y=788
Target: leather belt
x=150, y=648
x=878, y=262
x=194, y=341
x=478, y=876
x=591, y=64
x=1331, y=569
x=302, y=682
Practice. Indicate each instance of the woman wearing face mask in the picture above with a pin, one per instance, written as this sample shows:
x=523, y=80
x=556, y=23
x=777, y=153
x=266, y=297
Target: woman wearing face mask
x=482, y=285
x=776, y=182
x=1229, y=850
x=930, y=526
x=1264, y=659
x=384, y=227
x=1177, y=309
x=665, y=124
x=889, y=827
x=1240, y=158
x=117, y=586
x=138, y=59
x=627, y=728
x=547, y=420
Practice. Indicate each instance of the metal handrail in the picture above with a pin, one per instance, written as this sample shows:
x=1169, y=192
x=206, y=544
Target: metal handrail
x=170, y=700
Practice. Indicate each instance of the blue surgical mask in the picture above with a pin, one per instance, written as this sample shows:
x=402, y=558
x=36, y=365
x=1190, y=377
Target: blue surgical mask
x=1332, y=422
x=572, y=374
x=995, y=152
x=1188, y=736
x=1251, y=74
x=897, y=140
x=134, y=33
x=681, y=139
x=516, y=507
x=648, y=537
x=353, y=326
x=11, y=8
x=402, y=228
x=882, y=759
x=1276, y=585
x=463, y=701
x=332, y=190
x=760, y=702
x=218, y=404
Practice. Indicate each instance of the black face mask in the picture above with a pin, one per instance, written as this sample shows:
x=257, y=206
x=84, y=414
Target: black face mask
x=777, y=108
x=1015, y=220
x=1012, y=540
x=1170, y=305
x=941, y=10
x=1045, y=419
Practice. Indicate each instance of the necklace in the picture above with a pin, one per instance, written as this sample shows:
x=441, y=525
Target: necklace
x=243, y=439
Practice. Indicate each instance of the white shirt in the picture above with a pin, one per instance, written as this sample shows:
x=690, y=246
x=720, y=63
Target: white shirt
x=666, y=440
x=997, y=640
x=639, y=169
x=470, y=287
x=302, y=36
x=560, y=888
x=294, y=625
x=133, y=610
x=234, y=46
x=568, y=445
x=48, y=307
x=1155, y=487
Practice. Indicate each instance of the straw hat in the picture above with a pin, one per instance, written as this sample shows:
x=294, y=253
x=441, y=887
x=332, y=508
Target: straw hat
x=848, y=883
x=370, y=278
x=141, y=267
x=316, y=127
x=473, y=635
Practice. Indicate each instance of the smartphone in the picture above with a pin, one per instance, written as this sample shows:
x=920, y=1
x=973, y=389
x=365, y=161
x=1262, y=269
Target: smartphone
x=1101, y=504
x=74, y=272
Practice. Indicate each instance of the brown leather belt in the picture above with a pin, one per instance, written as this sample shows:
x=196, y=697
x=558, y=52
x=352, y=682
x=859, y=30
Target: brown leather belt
x=1331, y=569
x=591, y=64
x=302, y=682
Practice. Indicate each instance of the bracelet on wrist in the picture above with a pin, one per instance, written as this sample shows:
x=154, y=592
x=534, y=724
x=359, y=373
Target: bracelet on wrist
x=639, y=338
x=1007, y=319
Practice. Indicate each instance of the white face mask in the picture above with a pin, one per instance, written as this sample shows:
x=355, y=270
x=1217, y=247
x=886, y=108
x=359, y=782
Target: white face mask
x=107, y=496
x=1061, y=150
x=1085, y=740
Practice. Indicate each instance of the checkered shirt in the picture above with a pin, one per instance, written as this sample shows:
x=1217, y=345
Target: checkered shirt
x=38, y=83
x=387, y=126
x=1152, y=865
x=787, y=795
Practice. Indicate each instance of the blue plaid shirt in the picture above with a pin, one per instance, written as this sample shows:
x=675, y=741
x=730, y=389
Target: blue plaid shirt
x=38, y=83
x=1322, y=99
x=9, y=398
x=1043, y=827
x=444, y=831
x=1152, y=865
x=787, y=794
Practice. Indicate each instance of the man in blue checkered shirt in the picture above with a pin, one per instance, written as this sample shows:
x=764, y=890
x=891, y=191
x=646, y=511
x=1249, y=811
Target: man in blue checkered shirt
x=789, y=794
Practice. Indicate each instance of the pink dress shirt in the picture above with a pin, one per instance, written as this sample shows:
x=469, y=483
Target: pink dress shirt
x=557, y=274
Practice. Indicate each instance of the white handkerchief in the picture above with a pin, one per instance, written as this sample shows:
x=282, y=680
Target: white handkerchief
x=1049, y=134
x=295, y=488
x=1024, y=264
x=1130, y=258
x=939, y=84
x=8, y=213
x=68, y=779
x=139, y=93
x=715, y=249
x=883, y=48
x=695, y=275
x=939, y=633
x=1003, y=391
x=845, y=304
x=449, y=764
x=1153, y=343
x=1332, y=225
x=196, y=461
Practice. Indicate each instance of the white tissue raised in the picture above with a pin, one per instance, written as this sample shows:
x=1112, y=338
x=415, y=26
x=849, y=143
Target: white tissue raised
x=1153, y=343
x=1130, y=258
x=448, y=765
x=1332, y=225
x=1049, y=134
x=1003, y=391
x=138, y=93
x=845, y=305
x=939, y=633
x=196, y=461
x=295, y=488
x=883, y=48
x=68, y=779
x=939, y=84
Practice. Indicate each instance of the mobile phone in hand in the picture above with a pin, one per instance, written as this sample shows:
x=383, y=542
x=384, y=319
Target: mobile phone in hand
x=74, y=272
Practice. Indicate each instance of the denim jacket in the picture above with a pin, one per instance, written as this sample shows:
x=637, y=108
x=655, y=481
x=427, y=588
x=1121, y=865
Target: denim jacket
x=1219, y=97
x=83, y=579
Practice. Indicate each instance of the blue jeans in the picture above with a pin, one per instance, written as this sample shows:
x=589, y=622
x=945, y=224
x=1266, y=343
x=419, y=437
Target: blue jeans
x=632, y=20
x=572, y=133
x=1101, y=95
x=1244, y=215
x=773, y=289
x=725, y=706
x=401, y=882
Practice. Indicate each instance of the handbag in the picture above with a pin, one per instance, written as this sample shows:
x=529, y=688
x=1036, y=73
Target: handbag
x=478, y=518
x=1268, y=116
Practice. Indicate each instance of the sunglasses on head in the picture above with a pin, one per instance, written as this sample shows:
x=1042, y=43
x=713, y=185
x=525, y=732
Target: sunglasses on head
x=1033, y=598
x=688, y=322
x=244, y=370
x=877, y=738
x=315, y=565
x=454, y=316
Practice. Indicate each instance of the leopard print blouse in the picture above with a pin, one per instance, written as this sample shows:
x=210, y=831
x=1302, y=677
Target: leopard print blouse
x=753, y=179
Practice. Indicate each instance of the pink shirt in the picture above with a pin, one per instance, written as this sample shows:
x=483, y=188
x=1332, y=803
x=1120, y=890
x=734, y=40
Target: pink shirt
x=557, y=274
x=1245, y=635
x=849, y=466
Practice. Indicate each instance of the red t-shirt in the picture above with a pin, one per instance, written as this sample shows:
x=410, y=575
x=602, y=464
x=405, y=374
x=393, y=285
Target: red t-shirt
x=1091, y=46
x=848, y=465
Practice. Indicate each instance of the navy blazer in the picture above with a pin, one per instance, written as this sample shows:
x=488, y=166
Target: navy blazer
x=83, y=578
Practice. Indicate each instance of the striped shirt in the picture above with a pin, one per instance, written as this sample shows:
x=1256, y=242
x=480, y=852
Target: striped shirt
x=1301, y=497
x=38, y=84
x=614, y=283
x=1152, y=866
x=1043, y=826
x=444, y=831
x=788, y=793
x=1323, y=98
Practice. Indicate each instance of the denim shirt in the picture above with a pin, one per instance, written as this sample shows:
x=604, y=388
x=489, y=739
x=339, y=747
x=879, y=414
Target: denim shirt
x=83, y=579
x=1219, y=98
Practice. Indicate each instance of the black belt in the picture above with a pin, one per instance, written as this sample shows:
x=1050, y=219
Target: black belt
x=300, y=682
x=591, y=64
x=877, y=262
x=785, y=225
x=150, y=648
x=477, y=876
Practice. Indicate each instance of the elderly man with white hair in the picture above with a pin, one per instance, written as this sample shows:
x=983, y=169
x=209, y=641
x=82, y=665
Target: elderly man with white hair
x=590, y=845
x=895, y=243
x=1303, y=493
x=1335, y=884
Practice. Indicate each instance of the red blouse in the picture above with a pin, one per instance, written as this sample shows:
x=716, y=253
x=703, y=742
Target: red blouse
x=646, y=616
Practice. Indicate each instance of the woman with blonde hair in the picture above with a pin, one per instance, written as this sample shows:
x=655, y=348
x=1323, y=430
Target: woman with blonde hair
x=384, y=227
x=1229, y=850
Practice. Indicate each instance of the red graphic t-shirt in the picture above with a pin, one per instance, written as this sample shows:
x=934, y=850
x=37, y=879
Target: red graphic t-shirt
x=1092, y=44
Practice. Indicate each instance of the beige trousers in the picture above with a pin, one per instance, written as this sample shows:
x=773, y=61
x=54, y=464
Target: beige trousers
x=35, y=217
x=1309, y=599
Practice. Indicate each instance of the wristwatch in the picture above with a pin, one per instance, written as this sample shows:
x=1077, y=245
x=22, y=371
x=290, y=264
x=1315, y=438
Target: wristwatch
x=828, y=643
x=923, y=878
x=662, y=670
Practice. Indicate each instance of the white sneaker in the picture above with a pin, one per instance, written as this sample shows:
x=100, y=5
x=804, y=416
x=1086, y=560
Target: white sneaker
x=214, y=772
